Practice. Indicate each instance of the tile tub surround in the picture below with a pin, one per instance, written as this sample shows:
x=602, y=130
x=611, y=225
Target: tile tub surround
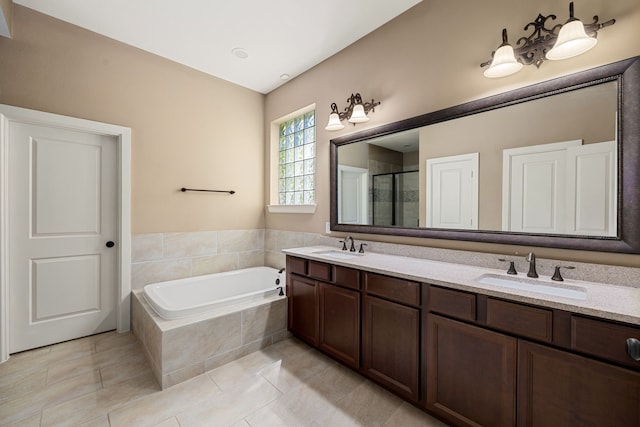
x=158, y=257
x=620, y=303
x=181, y=349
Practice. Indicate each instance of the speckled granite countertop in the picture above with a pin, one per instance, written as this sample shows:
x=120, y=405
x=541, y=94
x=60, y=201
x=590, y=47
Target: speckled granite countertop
x=605, y=301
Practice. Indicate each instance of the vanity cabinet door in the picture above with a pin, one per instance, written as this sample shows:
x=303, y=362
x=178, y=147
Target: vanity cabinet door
x=390, y=345
x=471, y=374
x=557, y=388
x=340, y=323
x=303, y=308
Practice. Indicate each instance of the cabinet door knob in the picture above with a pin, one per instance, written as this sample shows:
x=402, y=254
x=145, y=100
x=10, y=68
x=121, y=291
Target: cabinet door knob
x=110, y=244
x=633, y=348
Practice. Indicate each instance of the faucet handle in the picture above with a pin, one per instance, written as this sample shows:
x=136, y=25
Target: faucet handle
x=512, y=267
x=361, y=250
x=556, y=274
x=344, y=245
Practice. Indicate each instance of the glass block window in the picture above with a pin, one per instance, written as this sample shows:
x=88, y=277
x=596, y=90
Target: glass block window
x=297, y=160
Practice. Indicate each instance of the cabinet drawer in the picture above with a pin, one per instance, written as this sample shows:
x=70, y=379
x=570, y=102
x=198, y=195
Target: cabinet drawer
x=461, y=305
x=394, y=289
x=296, y=265
x=603, y=339
x=519, y=319
x=319, y=270
x=346, y=277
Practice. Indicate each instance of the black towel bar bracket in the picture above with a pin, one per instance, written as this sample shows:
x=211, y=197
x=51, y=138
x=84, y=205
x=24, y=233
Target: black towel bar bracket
x=183, y=189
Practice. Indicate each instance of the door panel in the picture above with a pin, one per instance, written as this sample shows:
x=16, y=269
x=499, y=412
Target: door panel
x=591, y=194
x=66, y=187
x=533, y=188
x=353, y=190
x=452, y=192
x=62, y=211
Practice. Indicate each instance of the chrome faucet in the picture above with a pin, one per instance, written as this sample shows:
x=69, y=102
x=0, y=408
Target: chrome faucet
x=531, y=259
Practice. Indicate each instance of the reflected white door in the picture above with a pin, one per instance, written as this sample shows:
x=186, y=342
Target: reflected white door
x=62, y=212
x=534, y=188
x=353, y=186
x=591, y=189
x=452, y=192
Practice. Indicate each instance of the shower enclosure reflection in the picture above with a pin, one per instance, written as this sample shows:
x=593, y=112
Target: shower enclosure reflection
x=394, y=197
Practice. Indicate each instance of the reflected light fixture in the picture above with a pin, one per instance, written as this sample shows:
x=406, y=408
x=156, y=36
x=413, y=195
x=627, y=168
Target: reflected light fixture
x=559, y=42
x=355, y=112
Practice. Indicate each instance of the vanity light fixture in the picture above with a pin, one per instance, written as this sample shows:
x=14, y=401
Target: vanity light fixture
x=355, y=112
x=559, y=42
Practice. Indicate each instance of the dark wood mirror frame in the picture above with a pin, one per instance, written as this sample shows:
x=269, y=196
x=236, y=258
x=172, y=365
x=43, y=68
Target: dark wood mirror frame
x=626, y=73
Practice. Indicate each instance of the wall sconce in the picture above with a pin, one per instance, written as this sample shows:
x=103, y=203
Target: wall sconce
x=355, y=112
x=560, y=42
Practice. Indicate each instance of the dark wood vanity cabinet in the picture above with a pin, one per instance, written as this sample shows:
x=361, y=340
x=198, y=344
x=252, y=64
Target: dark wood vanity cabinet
x=471, y=373
x=339, y=317
x=468, y=358
x=391, y=345
x=391, y=333
x=484, y=368
x=558, y=388
x=324, y=308
x=303, y=308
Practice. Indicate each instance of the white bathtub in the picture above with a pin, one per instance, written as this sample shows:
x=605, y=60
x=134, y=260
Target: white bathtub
x=185, y=297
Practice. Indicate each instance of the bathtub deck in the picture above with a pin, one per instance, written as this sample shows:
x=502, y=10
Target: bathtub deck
x=184, y=348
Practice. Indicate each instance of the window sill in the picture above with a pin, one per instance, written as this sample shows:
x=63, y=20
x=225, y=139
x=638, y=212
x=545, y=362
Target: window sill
x=294, y=209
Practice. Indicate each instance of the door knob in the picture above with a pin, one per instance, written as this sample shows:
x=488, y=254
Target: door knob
x=110, y=244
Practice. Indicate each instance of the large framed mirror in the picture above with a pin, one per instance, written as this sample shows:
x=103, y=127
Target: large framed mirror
x=556, y=164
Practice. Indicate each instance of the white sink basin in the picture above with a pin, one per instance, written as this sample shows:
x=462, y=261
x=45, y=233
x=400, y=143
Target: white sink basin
x=533, y=285
x=339, y=254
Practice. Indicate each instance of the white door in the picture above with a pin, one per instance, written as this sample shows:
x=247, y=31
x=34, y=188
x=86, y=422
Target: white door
x=591, y=189
x=533, y=189
x=452, y=192
x=62, y=212
x=353, y=186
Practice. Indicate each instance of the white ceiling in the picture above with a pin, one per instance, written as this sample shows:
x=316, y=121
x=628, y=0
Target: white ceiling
x=279, y=36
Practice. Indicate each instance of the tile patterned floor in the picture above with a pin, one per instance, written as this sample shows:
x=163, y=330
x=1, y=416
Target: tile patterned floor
x=104, y=380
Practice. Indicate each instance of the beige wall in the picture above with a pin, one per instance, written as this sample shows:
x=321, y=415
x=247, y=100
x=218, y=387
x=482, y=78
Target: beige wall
x=428, y=59
x=188, y=128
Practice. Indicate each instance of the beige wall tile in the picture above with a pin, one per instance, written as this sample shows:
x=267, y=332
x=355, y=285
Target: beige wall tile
x=143, y=273
x=180, y=245
x=214, y=264
x=240, y=240
x=146, y=247
x=250, y=259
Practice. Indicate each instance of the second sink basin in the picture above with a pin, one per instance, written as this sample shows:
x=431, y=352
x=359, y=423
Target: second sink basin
x=532, y=285
x=339, y=254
